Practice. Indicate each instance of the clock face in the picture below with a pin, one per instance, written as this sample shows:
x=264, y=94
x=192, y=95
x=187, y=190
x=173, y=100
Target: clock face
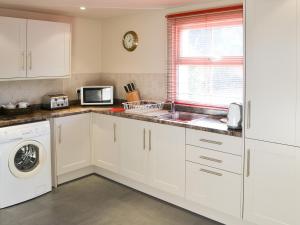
x=130, y=41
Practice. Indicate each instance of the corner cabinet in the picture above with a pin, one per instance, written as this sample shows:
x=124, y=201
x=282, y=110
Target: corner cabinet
x=272, y=184
x=141, y=151
x=105, y=145
x=34, y=49
x=72, y=143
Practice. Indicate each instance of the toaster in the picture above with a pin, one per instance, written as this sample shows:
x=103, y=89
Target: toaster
x=234, y=117
x=57, y=101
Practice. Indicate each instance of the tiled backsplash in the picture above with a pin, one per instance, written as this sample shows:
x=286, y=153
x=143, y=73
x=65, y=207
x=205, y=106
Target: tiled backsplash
x=151, y=86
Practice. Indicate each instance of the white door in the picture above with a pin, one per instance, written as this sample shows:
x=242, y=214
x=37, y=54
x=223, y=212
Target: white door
x=48, y=49
x=106, y=142
x=12, y=48
x=271, y=70
x=133, y=149
x=272, y=184
x=72, y=139
x=166, y=149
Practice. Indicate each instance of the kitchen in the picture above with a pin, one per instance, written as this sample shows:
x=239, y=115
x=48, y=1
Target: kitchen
x=121, y=112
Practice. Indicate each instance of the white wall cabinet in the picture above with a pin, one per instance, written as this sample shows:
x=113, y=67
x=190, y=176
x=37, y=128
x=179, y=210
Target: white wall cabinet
x=13, y=48
x=48, y=49
x=34, y=49
x=272, y=184
x=72, y=143
x=106, y=137
x=271, y=70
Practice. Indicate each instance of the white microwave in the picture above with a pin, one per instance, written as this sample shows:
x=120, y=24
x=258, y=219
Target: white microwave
x=97, y=95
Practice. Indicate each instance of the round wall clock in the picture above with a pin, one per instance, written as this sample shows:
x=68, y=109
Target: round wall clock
x=130, y=41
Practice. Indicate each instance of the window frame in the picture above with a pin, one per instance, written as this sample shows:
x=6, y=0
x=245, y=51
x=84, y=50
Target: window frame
x=177, y=60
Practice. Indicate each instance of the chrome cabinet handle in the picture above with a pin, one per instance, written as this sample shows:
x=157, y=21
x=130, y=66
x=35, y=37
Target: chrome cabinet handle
x=30, y=60
x=211, y=172
x=150, y=141
x=23, y=60
x=59, y=134
x=248, y=114
x=211, y=159
x=144, y=139
x=211, y=142
x=115, y=137
x=248, y=163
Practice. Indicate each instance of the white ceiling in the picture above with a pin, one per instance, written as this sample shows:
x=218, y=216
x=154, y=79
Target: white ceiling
x=95, y=8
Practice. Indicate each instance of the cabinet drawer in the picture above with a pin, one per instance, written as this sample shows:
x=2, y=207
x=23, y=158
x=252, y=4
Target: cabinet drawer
x=214, y=159
x=214, y=188
x=223, y=143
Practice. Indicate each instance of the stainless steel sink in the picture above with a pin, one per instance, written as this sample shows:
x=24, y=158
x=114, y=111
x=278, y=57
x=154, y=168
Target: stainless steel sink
x=182, y=116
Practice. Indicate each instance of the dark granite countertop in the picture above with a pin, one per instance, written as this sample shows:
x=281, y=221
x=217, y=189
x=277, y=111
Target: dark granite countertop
x=209, y=124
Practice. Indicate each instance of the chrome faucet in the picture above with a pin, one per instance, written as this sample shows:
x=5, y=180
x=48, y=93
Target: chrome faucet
x=172, y=109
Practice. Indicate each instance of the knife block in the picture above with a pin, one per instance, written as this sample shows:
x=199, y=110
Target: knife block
x=133, y=96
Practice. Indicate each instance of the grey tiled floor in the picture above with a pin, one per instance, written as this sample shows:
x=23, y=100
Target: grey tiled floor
x=97, y=201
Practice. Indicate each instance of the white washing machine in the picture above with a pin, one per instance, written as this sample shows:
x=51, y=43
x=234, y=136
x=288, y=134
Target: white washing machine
x=25, y=162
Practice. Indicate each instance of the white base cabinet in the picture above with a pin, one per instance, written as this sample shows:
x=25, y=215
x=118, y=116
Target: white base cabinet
x=105, y=144
x=72, y=143
x=214, y=188
x=133, y=154
x=272, y=184
x=148, y=153
x=166, y=155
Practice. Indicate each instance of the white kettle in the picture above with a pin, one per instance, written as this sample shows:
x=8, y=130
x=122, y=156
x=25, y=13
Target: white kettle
x=234, y=116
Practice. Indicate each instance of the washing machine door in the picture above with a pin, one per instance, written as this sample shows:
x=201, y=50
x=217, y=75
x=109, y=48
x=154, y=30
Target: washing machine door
x=27, y=159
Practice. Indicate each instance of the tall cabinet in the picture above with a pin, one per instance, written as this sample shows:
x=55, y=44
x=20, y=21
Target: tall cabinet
x=272, y=183
x=271, y=70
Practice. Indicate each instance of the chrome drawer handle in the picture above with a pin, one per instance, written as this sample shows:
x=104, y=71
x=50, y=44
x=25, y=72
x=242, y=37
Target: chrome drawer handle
x=144, y=139
x=211, y=172
x=210, y=159
x=248, y=163
x=211, y=142
x=248, y=114
x=115, y=137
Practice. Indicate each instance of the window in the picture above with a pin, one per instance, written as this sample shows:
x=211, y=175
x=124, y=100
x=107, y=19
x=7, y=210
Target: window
x=205, y=57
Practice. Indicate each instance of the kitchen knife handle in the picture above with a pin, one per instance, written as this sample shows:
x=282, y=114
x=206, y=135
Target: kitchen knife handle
x=126, y=89
x=129, y=87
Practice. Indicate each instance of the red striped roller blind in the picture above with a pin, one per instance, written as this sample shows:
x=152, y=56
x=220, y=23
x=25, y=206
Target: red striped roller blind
x=205, y=57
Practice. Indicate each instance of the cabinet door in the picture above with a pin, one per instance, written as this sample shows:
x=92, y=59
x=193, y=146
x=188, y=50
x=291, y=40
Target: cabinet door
x=48, y=46
x=13, y=48
x=214, y=188
x=133, y=151
x=271, y=70
x=166, y=149
x=72, y=143
x=105, y=142
x=272, y=184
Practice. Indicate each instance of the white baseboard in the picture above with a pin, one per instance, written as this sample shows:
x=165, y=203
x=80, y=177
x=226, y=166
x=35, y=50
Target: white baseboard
x=75, y=175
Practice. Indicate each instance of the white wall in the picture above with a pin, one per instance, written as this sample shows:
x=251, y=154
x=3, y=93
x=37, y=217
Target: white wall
x=86, y=46
x=150, y=55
